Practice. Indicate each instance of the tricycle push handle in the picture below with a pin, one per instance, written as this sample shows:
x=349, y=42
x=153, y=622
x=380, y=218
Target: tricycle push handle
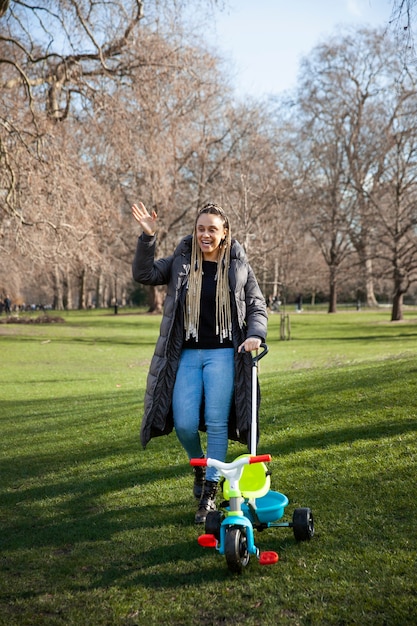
x=259, y=356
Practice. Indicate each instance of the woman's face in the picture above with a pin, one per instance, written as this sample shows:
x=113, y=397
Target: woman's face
x=210, y=232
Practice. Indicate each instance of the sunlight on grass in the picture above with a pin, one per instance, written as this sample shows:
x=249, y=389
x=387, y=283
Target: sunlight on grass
x=97, y=531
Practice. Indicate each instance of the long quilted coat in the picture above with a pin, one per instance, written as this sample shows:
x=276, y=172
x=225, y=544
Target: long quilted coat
x=249, y=318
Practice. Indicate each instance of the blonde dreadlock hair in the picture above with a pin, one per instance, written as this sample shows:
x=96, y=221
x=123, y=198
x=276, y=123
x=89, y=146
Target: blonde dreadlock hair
x=193, y=298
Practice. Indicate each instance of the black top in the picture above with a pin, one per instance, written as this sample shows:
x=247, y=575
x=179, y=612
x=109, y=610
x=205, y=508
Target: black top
x=207, y=338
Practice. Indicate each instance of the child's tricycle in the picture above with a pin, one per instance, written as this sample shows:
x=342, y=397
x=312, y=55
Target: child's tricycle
x=249, y=502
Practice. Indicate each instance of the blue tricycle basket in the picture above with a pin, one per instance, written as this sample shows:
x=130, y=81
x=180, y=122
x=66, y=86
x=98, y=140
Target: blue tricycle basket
x=269, y=508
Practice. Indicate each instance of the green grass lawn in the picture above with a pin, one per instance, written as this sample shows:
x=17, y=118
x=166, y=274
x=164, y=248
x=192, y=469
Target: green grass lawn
x=96, y=531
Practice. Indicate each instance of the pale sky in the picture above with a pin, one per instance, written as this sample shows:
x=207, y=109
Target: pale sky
x=265, y=39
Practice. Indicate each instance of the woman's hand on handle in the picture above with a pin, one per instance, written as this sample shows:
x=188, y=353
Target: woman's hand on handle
x=147, y=221
x=250, y=344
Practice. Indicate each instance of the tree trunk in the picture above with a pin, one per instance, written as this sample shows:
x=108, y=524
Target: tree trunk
x=123, y=298
x=276, y=279
x=400, y=289
x=156, y=299
x=371, y=301
x=397, y=306
x=264, y=289
x=58, y=299
x=69, y=296
x=333, y=291
x=99, y=292
x=81, y=290
x=106, y=296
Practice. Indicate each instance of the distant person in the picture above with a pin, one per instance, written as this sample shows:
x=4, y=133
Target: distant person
x=7, y=305
x=214, y=310
x=299, y=303
x=276, y=303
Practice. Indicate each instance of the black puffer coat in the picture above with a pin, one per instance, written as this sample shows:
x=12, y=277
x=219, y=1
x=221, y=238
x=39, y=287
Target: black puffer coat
x=249, y=318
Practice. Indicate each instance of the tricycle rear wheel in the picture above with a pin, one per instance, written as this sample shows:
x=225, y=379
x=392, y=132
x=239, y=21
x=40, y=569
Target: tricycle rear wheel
x=236, y=549
x=303, y=524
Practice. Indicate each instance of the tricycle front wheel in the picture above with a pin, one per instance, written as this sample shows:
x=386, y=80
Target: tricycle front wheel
x=236, y=549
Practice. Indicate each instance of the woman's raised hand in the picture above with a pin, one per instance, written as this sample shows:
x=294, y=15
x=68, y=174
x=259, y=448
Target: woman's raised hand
x=147, y=221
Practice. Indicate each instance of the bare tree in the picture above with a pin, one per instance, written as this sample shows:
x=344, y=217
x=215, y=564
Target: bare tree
x=63, y=62
x=253, y=188
x=326, y=205
x=395, y=199
x=354, y=98
x=168, y=119
x=402, y=23
x=57, y=58
x=53, y=54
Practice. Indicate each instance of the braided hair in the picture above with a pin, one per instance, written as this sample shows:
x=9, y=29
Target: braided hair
x=193, y=298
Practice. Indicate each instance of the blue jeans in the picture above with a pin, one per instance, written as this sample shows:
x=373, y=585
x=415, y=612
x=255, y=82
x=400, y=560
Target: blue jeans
x=209, y=374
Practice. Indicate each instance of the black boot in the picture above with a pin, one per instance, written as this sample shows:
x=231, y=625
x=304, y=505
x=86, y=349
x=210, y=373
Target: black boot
x=207, y=501
x=199, y=476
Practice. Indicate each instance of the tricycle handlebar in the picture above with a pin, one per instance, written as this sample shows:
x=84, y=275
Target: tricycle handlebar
x=245, y=460
x=198, y=462
x=260, y=458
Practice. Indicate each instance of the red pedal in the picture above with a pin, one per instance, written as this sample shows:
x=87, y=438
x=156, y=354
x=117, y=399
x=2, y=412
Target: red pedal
x=207, y=541
x=268, y=558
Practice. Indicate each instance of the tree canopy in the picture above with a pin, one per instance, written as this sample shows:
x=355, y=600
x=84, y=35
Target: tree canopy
x=104, y=103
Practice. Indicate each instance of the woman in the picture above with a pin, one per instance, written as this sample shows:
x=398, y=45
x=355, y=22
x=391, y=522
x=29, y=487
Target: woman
x=214, y=316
